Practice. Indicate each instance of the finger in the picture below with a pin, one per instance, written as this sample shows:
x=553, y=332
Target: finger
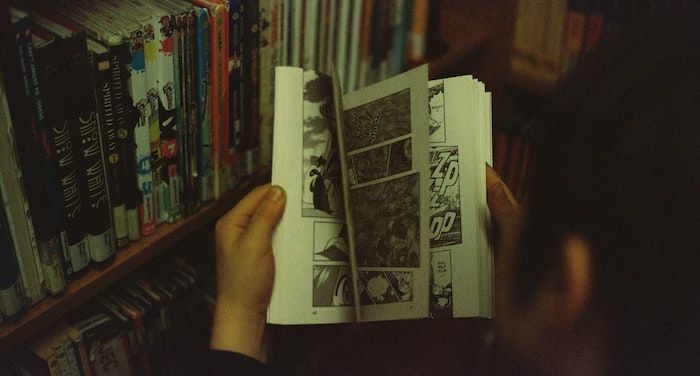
x=502, y=204
x=266, y=216
x=235, y=221
x=503, y=211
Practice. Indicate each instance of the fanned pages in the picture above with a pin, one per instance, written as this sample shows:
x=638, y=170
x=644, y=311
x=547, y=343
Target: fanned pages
x=386, y=212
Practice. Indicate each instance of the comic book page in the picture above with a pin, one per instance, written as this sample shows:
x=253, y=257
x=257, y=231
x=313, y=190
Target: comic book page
x=384, y=147
x=313, y=281
x=460, y=129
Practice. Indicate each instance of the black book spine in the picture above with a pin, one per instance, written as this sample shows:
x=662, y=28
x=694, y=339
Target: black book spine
x=11, y=295
x=52, y=67
x=192, y=181
x=96, y=91
x=128, y=117
x=118, y=131
x=35, y=155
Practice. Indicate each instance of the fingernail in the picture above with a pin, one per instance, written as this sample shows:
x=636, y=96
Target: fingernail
x=275, y=194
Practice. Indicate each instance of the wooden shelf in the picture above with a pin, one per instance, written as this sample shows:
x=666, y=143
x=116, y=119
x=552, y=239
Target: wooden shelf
x=464, y=28
x=50, y=309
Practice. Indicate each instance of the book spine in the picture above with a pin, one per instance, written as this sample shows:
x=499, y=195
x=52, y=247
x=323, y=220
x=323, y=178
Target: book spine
x=365, y=41
x=192, y=183
x=151, y=185
x=217, y=85
x=11, y=292
x=354, y=55
x=398, y=53
x=136, y=122
x=180, y=81
x=419, y=32
x=236, y=95
x=229, y=154
x=19, y=219
x=122, y=170
x=268, y=44
x=94, y=124
x=206, y=173
x=40, y=187
x=251, y=83
x=168, y=121
x=138, y=70
x=63, y=139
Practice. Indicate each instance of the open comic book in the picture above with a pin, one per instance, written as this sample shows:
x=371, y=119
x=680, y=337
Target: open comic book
x=386, y=212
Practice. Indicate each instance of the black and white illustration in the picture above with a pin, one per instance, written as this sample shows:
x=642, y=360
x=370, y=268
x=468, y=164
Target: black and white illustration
x=446, y=218
x=330, y=242
x=441, y=284
x=382, y=287
x=386, y=223
x=400, y=157
x=377, y=121
x=436, y=97
x=332, y=286
x=369, y=165
x=321, y=177
x=380, y=162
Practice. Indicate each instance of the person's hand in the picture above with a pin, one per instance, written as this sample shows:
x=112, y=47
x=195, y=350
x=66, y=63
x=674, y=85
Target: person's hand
x=245, y=271
x=506, y=214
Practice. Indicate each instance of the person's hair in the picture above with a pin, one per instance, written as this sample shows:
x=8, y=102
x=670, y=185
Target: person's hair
x=616, y=161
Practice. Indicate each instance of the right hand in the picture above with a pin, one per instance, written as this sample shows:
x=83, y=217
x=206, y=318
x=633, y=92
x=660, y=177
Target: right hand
x=507, y=215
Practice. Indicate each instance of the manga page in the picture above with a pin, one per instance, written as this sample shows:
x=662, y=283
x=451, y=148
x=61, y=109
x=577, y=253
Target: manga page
x=313, y=279
x=383, y=145
x=460, y=143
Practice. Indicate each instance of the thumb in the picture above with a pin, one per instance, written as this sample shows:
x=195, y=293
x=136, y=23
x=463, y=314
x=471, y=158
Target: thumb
x=503, y=209
x=266, y=216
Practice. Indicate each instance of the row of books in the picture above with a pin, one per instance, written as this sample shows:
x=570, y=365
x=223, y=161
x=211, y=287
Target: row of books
x=119, y=115
x=135, y=328
x=552, y=36
x=512, y=145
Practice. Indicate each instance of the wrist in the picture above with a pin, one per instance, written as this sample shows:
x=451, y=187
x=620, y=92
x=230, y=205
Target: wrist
x=239, y=330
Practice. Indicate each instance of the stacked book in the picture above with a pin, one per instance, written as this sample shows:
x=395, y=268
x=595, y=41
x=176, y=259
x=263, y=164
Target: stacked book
x=133, y=329
x=119, y=115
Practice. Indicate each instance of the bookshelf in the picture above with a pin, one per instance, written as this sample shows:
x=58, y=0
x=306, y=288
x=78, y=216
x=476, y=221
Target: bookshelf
x=464, y=28
x=50, y=309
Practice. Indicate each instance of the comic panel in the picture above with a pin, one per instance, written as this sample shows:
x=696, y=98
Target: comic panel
x=330, y=242
x=380, y=162
x=400, y=157
x=378, y=121
x=379, y=287
x=332, y=286
x=369, y=165
x=386, y=226
x=436, y=97
x=321, y=177
x=446, y=218
x=441, y=284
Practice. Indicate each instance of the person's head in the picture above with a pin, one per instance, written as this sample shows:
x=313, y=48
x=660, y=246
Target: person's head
x=607, y=267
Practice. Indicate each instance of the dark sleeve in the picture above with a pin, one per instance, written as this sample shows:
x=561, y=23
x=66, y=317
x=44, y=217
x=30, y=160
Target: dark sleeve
x=231, y=363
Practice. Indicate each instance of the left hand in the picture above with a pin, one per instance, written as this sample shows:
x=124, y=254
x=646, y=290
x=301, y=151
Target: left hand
x=245, y=271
